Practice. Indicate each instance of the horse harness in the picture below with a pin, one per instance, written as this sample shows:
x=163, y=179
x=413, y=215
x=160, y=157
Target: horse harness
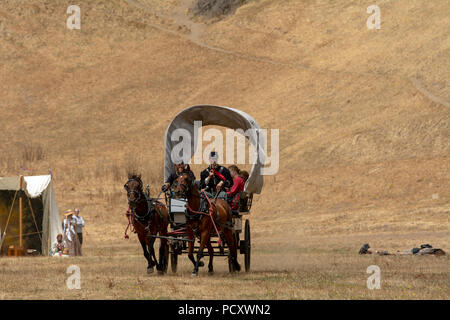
x=146, y=218
x=193, y=215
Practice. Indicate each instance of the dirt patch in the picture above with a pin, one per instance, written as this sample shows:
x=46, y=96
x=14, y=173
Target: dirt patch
x=216, y=8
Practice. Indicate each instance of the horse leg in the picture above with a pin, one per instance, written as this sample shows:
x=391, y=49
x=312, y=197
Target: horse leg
x=191, y=244
x=154, y=261
x=211, y=256
x=161, y=228
x=162, y=255
x=204, y=238
x=147, y=256
x=191, y=236
x=233, y=251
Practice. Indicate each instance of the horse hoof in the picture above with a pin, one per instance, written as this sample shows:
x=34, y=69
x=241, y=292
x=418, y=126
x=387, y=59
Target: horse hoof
x=160, y=272
x=201, y=264
x=194, y=274
x=210, y=273
x=149, y=270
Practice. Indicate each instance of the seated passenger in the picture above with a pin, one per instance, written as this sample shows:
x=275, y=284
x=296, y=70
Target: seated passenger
x=180, y=167
x=215, y=178
x=238, y=186
x=244, y=175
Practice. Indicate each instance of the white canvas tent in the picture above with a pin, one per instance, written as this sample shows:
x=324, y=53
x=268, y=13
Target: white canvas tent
x=38, y=187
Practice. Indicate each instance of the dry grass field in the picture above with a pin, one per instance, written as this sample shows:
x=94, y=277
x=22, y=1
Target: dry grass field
x=364, y=138
x=310, y=268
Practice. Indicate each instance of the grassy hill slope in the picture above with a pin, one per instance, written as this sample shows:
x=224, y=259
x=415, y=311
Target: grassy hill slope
x=362, y=150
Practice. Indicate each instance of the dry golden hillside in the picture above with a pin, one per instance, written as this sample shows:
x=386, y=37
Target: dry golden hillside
x=364, y=115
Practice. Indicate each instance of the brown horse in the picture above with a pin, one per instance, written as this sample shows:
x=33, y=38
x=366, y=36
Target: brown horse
x=200, y=224
x=149, y=218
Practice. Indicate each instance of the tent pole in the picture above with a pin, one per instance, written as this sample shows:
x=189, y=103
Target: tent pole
x=20, y=212
x=34, y=219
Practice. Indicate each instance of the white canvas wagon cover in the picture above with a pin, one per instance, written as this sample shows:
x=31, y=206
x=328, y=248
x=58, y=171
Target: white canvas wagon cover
x=218, y=116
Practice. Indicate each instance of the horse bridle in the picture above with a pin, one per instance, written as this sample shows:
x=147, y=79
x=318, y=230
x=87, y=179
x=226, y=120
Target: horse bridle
x=185, y=189
x=136, y=192
x=185, y=194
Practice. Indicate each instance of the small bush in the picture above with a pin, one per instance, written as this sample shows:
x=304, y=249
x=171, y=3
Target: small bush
x=216, y=8
x=117, y=173
x=33, y=152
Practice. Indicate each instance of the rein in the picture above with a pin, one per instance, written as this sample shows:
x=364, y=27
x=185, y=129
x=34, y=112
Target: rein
x=210, y=214
x=149, y=210
x=130, y=225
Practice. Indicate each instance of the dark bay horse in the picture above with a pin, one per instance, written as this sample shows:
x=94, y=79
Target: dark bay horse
x=149, y=218
x=200, y=224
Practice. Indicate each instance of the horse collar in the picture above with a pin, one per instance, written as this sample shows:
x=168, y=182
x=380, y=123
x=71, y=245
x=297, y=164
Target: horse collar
x=149, y=209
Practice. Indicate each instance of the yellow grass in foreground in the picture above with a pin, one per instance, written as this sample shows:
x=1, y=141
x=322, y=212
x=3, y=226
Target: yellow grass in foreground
x=306, y=268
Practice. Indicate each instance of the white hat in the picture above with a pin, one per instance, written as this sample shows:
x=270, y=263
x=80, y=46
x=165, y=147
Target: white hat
x=69, y=212
x=213, y=156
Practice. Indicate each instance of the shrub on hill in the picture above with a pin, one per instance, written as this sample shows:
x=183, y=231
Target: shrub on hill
x=216, y=8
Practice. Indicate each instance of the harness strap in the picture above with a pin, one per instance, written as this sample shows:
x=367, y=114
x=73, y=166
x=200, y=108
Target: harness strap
x=210, y=214
x=133, y=216
x=128, y=214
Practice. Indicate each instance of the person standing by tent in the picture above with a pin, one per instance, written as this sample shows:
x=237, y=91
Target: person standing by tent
x=70, y=235
x=79, y=225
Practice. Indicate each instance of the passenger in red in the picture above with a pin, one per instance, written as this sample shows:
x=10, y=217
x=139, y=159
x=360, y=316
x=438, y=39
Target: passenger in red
x=238, y=186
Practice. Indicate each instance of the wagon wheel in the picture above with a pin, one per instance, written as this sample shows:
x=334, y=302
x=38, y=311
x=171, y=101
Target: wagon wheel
x=248, y=245
x=174, y=259
x=236, y=244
